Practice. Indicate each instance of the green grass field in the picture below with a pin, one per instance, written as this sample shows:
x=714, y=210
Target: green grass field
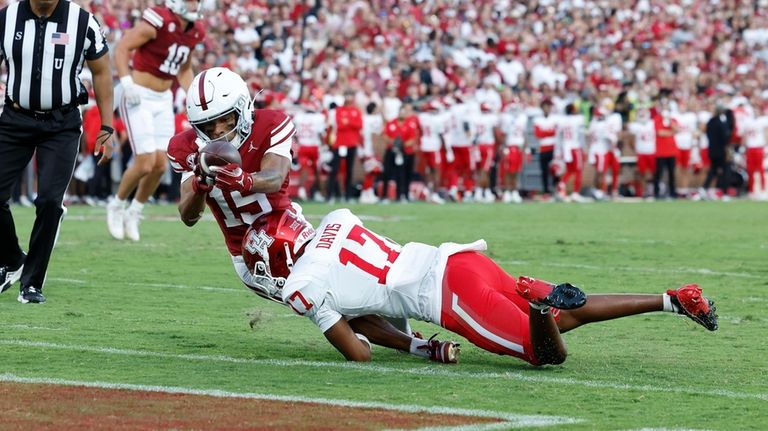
x=170, y=311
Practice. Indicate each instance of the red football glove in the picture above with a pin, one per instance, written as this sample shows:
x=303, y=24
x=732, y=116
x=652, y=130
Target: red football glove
x=200, y=186
x=232, y=178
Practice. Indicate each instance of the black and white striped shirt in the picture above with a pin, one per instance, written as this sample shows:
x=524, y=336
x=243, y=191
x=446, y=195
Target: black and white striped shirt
x=45, y=56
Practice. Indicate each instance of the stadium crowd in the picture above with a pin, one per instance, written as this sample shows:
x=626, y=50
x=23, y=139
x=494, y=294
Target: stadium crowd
x=457, y=98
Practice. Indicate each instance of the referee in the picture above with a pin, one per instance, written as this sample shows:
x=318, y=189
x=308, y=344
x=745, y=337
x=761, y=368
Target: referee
x=45, y=43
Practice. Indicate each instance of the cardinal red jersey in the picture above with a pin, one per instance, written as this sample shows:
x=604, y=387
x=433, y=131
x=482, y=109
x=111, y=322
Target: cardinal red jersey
x=164, y=55
x=272, y=132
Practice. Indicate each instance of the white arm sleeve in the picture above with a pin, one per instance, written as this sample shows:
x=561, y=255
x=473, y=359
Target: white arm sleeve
x=324, y=316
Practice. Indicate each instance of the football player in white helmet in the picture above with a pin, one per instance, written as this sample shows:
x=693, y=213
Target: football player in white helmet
x=148, y=58
x=219, y=106
x=343, y=269
x=219, y=95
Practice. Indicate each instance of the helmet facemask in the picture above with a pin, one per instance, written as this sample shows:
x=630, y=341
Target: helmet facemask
x=205, y=129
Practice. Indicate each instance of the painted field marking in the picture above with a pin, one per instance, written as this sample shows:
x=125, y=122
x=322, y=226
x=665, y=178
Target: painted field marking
x=210, y=218
x=699, y=271
x=425, y=371
x=511, y=420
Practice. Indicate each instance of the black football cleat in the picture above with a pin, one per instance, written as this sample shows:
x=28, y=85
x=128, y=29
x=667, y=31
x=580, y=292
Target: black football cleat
x=563, y=296
x=31, y=294
x=10, y=275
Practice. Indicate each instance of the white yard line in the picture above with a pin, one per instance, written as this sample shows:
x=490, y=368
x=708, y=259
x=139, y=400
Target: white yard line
x=699, y=271
x=184, y=286
x=512, y=420
x=431, y=370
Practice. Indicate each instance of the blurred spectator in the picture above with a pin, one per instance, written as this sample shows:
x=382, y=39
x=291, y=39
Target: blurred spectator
x=347, y=124
x=719, y=130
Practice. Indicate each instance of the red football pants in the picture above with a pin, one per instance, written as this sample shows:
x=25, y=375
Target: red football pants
x=480, y=303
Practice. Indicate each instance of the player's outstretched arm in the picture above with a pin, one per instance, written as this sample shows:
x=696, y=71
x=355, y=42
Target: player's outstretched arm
x=347, y=342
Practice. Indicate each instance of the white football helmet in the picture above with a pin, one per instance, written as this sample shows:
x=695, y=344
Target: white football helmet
x=179, y=7
x=216, y=92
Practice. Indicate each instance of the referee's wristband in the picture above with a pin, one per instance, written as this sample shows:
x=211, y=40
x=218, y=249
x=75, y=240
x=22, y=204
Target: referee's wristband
x=107, y=129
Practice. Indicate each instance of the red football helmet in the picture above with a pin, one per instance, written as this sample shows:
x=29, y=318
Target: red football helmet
x=274, y=240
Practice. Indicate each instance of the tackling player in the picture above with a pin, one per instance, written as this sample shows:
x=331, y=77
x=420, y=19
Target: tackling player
x=344, y=269
x=160, y=45
x=219, y=106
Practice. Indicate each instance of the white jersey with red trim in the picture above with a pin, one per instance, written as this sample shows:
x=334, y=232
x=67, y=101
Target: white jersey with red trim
x=272, y=132
x=456, y=131
x=483, y=126
x=546, y=125
x=687, y=124
x=569, y=132
x=513, y=126
x=348, y=270
x=601, y=136
x=753, y=131
x=432, y=126
x=645, y=137
x=310, y=127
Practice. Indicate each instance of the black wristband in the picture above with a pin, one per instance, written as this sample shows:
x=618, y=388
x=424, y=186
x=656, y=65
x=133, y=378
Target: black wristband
x=107, y=129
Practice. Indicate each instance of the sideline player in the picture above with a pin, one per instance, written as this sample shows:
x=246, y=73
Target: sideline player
x=219, y=106
x=161, y=43
x=344, y=269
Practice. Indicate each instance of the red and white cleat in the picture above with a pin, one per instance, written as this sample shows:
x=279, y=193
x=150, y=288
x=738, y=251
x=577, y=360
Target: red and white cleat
x=690, y=302
x=445, y=352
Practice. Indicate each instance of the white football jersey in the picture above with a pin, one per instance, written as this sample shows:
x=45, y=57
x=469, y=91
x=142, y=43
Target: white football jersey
x=602, y=137
x=457, y=126
x=513, y=126
x=310, y=127
x=703, y=117
x=373, y=124
x=687, y=124
x=753, y=131
x=483, y=125
x=645, y=137
x=569, y=128
x=432, y=126
x=348, y=271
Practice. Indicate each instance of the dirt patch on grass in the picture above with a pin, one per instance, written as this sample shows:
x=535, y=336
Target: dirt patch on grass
x=56, y=407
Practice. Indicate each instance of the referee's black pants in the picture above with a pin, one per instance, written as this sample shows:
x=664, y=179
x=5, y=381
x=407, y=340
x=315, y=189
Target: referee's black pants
x=56, y=138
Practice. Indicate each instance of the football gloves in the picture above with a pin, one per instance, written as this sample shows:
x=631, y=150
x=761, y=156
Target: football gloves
x=130, y=91
x=232, y=178
x=201, y=184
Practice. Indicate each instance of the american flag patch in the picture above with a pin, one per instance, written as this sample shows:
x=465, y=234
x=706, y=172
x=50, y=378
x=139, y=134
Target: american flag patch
x=59, y=38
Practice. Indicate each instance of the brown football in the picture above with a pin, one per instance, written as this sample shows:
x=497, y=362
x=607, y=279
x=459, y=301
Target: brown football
x=218, y=153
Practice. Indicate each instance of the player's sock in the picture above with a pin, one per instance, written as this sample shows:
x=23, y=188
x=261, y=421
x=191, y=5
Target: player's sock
x=417, y=347
x=136, y=206
x=544, y=309
x=668, y=305
x=121, y=203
